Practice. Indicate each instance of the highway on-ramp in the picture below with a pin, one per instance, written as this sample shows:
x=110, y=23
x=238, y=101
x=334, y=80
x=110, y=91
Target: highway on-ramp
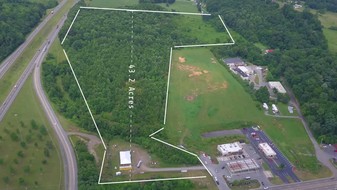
x=67, y=153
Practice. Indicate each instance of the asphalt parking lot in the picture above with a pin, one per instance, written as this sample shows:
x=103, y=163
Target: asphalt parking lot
x=286, y=172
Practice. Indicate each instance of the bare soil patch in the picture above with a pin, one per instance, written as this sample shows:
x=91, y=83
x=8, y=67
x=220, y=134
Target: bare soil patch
x=182, y=60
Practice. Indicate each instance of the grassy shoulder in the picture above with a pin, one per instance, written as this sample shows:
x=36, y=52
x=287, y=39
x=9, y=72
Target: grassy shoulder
x=110, y=3
x=29, y=148
x=13, y=74
x=208, y=98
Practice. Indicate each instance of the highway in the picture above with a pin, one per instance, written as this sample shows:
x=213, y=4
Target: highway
x=8, y=62
x=67, y=153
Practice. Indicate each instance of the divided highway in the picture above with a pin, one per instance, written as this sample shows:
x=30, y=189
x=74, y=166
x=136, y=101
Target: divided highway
x=8, y=62
x=67, y=153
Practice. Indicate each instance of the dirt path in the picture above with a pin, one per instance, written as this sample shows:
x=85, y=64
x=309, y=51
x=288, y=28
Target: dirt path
x=93, y=142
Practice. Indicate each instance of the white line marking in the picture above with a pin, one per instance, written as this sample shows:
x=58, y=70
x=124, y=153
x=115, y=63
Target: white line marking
x=70, y=26
x=205, y=45
x=100, y=173
x=145, y=11
x=156, y=132
x=174, y=146
x=168, y=86
x=205, y=166
x=226, y=29
x=85, y=100
x=152, y=180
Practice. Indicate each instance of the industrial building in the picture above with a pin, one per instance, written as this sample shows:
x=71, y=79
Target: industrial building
x=276, y=85
x=125, y=160
x=267, y=150
x=230, y=149
x=248, y=71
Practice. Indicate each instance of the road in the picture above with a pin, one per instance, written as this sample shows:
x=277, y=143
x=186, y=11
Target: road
x=8, y=62
x=192, y=168
x=67, y=153
x=322, y=156
x=321, y=184
x=93, y=141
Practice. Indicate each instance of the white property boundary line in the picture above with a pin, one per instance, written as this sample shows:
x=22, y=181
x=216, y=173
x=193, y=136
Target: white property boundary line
x=167, y=91
x=85, y=100
x=70, y=26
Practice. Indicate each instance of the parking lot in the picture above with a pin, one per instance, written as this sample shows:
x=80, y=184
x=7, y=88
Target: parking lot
x=279, y=165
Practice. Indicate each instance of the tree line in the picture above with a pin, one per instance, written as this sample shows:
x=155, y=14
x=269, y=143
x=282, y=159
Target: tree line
x=301, y=55
x=17, y=19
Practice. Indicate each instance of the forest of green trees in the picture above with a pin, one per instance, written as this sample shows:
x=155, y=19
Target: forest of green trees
x=329, y=5
x=301, y=58
x=99, y=48
x=17, y=19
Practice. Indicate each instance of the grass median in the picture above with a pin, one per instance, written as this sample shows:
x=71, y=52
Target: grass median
x=13, y=74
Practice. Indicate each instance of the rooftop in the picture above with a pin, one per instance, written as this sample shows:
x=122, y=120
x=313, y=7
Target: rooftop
x=230, y=147
x=125, y=157
x=279, y=87
x=267, y=149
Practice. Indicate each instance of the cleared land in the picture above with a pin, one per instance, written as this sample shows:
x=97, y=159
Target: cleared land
x=110, y=3
x=29, y=152
x=205, y=97
x=182, y=6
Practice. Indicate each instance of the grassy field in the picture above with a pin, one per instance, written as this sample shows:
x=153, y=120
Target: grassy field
x=204, y=97
x=110, y=3
x=29, y=153
x=195, y=27
x=182, y=6
x=13, y=74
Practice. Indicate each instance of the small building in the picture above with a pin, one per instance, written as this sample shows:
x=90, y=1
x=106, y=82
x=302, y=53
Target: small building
x=274, y=108
x=230, y=149
x=291, y=109
x=125, y=160
x=234, y=62
x=265, y=106
x=276, y=85
x=268, y=51
x=267, y=150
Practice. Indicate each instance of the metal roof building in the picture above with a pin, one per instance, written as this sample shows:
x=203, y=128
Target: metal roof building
x=125, y=158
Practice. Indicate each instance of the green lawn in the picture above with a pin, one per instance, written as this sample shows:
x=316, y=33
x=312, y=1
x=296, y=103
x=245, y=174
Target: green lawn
x=23, y=160
x=205, y=32
x=182, y=6
x=13, y=74
x=331, y=36
x=213, y=100
x=110, y=3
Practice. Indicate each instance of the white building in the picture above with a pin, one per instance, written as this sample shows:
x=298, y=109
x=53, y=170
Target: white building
x=278, y=86
x=125, y=160
x=246, y=70
x=230, y=148
x=274, y=108
x=267, y=150
x=265, y=106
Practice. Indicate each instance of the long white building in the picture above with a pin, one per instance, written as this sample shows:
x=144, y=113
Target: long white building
x=267, y=150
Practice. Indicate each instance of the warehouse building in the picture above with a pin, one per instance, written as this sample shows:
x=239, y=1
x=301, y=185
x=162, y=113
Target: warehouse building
x=230, y=149
x=125, y=160
x=267, y=150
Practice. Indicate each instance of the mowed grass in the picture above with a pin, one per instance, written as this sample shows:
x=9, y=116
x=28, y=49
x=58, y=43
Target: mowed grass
x=213, y=100
x=13, y=74
x=205, y=32
x=111, y=3
x=331, y=36
x=182, y=6
x=30, y=169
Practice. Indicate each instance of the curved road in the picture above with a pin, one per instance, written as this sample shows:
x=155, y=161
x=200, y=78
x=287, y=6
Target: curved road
x=67, y=153
x=8, y=62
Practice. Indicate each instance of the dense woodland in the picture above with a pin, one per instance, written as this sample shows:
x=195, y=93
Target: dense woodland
x=17, y=19
x=99, y=48
x=330, y=5
x=301, y=58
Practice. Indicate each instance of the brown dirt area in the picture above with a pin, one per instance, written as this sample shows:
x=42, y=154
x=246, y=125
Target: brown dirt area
x=182, y=60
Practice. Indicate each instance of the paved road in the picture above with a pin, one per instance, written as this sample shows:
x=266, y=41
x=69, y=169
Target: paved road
x=192, y=168
x=68, y=156
x=222, y=133
x=281, y=116
x=7, y=63
x=321, y=184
